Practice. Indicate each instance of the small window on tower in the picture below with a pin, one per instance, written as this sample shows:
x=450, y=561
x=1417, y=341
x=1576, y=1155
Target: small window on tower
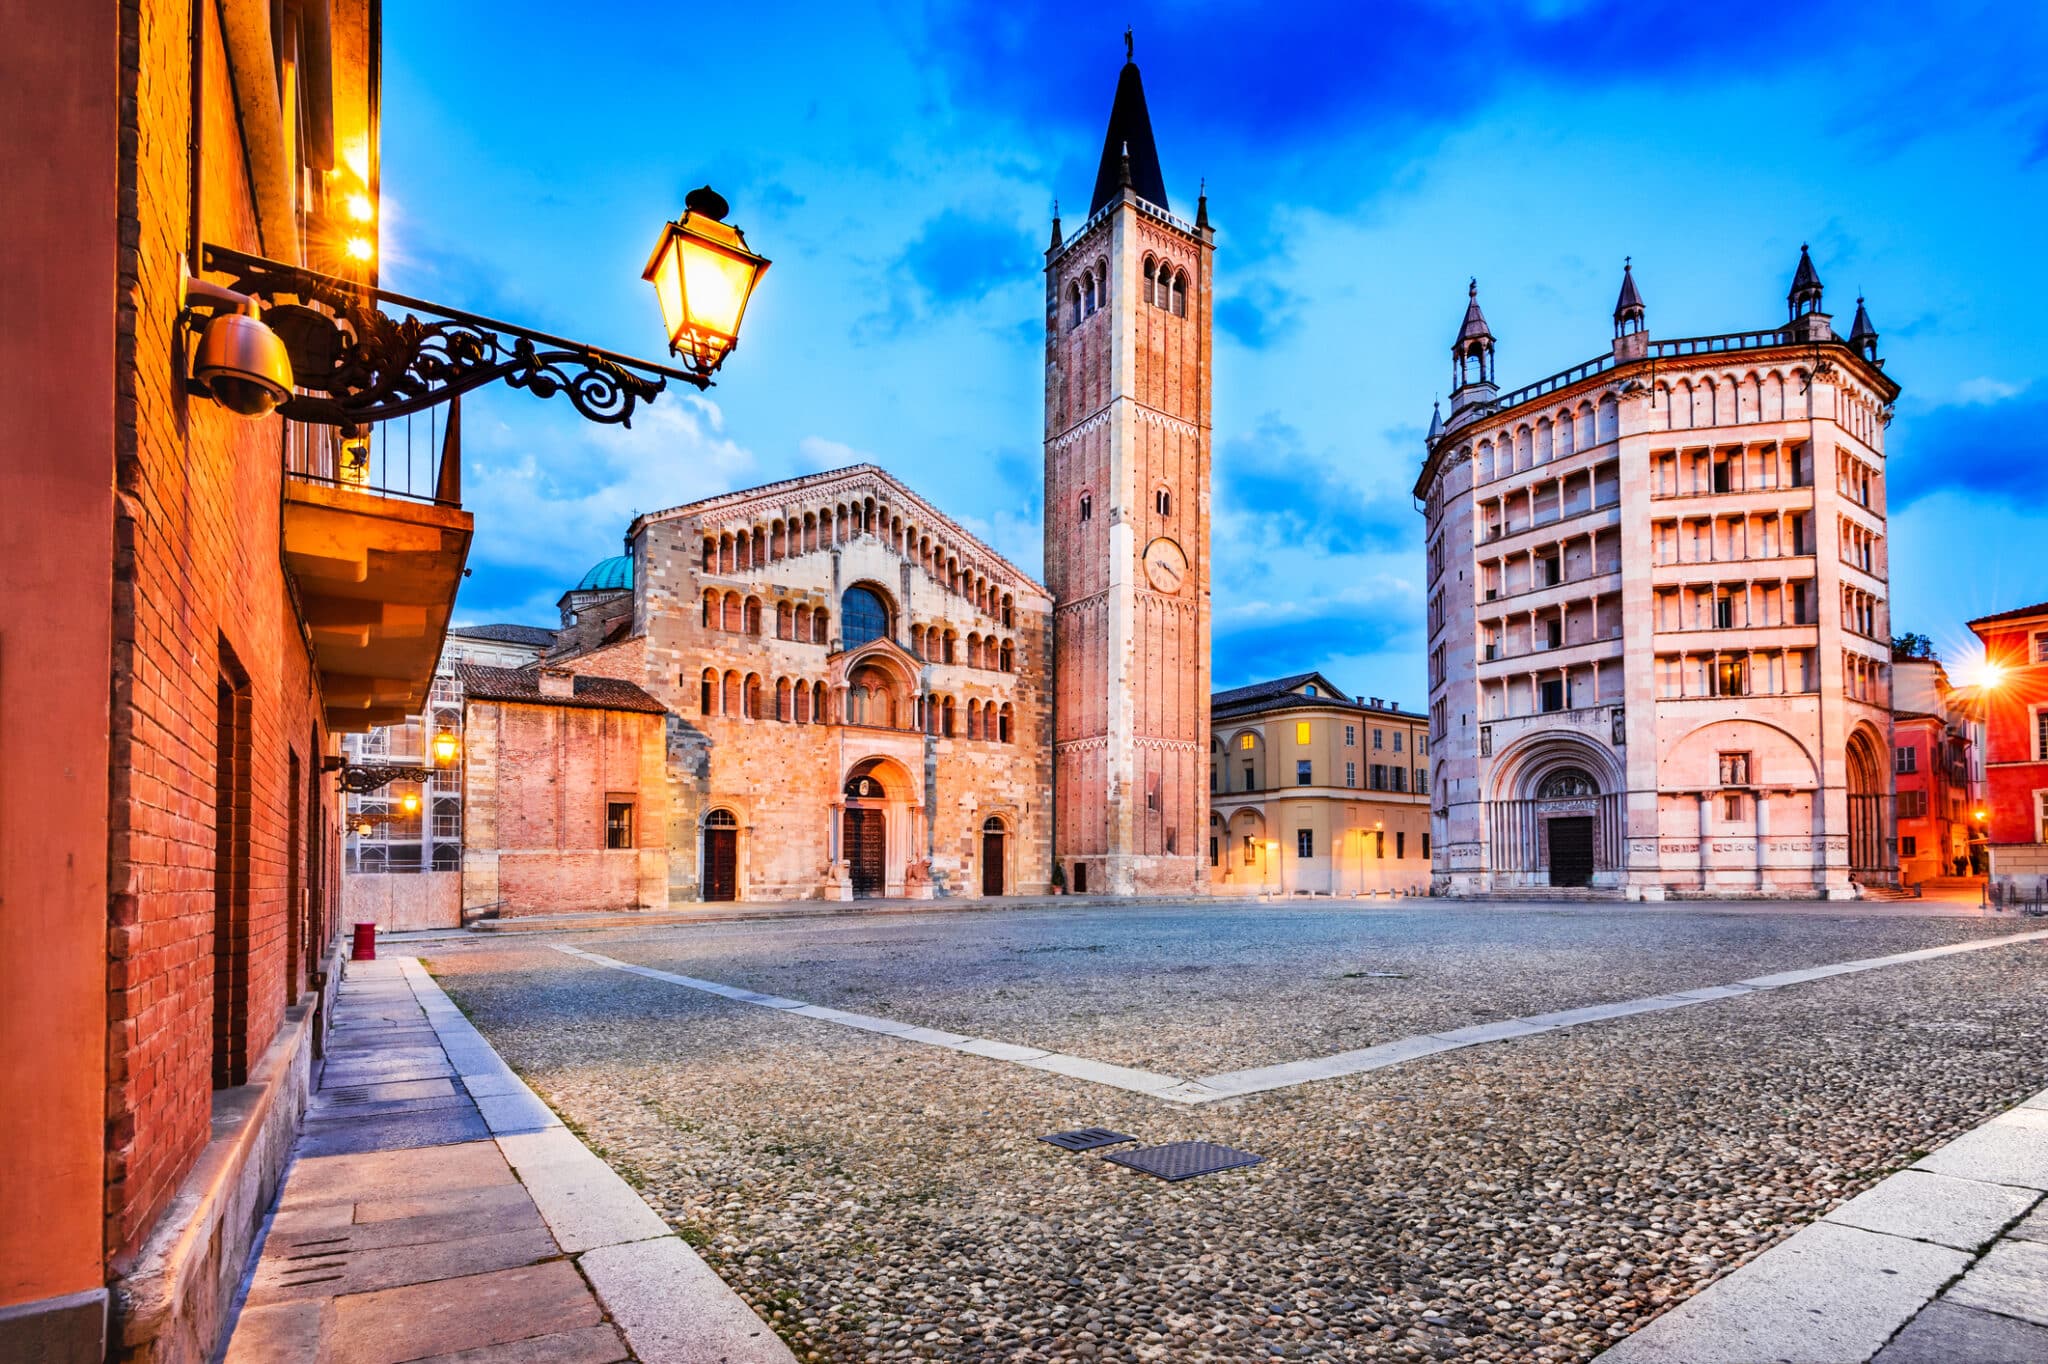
x=1162, y=501
x=1087, y=506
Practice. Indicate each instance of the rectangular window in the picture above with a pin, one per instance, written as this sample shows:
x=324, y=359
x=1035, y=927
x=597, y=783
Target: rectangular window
x=1215, y=848
x=1351, y=774
x=1304, y=842
x=2041, y=735
x=1379, y=843
x=1302, y=773
x=1379, y=776
x=1247, y=774
x=1553, y=695
x=618, y=824
x=1246, y=741
x=1351, y=736
x=1400, y=842
x=1734, y=769
x=1087, y=506
x=1905, y=760
x=1425, y=845
x=1912, y=804
x=1301, y=731
x=1251, y=850
x=2041, y=647
x=1397, y=741
x=1378, y=739
x=1212, y=780
x=1731, y=807
x=1400, y=776
x=1909, y=846
x=1421, y=782
x=1731, y=677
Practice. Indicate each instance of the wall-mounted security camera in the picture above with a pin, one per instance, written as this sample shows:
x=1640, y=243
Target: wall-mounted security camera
x=240, y=362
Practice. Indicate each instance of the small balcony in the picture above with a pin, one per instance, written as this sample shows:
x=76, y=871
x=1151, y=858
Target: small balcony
x=375, y=538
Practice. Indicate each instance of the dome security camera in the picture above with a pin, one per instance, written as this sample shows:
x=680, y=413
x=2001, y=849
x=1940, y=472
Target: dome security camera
x=240, y=362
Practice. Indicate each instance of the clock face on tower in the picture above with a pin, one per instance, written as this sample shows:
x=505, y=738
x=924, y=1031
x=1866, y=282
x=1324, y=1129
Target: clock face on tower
x=1166, y=565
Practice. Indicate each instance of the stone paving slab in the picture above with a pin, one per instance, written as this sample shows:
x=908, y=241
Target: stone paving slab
x=2011, y=1280
x=675, y=1310
x=2010, y=1149
x=393, y=1131
x=1948, y=1334
x=478, y=1311
x=1830, y=1295
x=1922, y=1206
x=584, y=1201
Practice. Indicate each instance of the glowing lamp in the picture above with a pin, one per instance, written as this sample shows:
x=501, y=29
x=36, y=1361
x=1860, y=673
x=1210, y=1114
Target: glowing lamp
x=703, y=274
x=360, y=209
x=360, y=248
x=410, y=803
x=446, y=748
x=1983, y=815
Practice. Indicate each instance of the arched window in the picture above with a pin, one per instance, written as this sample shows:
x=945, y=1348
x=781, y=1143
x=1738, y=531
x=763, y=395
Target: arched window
x=782, y=619
x=1003, y=719
x=1009, y=612
x=946, y=718
x=803, y=703
x=1162, y=502
x=734, y=614
x=783, y=710
x=1008, y=659
x=863, y=616
x=974, y=651
x=753, y=697
x=708, y=698
x=973, y=719
x=710, y=555
x=711, y=611
x=818, y=716
x=1151, y=282
x=752, y=620
x=732, y=694
x=1074, y=305
x=951, y=640
x=1180, y=293
x=821, y=624
x=725, y=553
x=1088, y=293
x=1101, y=282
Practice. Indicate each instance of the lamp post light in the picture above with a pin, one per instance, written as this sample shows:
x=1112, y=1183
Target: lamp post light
x=703, y=274
x=320, y=349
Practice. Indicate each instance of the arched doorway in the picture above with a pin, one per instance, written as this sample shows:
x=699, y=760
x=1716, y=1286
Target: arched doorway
x=1567, y=830
x=992, y=856
x=865, y=828
x=1868, y=832
x=721, y=856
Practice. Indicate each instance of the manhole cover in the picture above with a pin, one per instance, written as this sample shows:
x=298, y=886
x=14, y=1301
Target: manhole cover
x=1178, y=1160
x=1086, y=1139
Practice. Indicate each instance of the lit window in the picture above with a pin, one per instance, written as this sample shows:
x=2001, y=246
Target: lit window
x=1301, y=731
x=1245, y=741
x=618, y=824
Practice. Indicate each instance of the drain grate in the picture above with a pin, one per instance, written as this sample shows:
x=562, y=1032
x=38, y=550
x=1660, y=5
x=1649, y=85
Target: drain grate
x=1086, y=1139
x=1178, y=1160
x=349, y=1094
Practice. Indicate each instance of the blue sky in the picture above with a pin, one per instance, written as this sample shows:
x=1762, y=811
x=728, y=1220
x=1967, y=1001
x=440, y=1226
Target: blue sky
x=898, y=164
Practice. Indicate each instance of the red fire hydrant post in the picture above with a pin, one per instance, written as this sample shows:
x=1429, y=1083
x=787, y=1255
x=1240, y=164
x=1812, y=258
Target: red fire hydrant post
x=366, y=943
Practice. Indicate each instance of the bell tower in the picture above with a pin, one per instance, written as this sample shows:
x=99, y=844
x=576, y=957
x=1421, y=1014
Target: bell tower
x=1127, y=367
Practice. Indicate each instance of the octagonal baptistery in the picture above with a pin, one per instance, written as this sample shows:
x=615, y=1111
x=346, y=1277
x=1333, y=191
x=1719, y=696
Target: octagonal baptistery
x=1659, y=655
x=858, y=692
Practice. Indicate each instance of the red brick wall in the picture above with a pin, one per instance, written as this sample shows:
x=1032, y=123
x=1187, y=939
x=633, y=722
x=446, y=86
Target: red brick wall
x=197, y=576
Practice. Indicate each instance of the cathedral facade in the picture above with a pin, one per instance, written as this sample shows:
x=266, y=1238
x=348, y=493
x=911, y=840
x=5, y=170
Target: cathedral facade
x=1659, y=656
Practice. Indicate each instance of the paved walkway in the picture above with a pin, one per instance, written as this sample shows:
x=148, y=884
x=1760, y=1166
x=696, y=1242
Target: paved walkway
x=437, y=1210
x=1945, y=1262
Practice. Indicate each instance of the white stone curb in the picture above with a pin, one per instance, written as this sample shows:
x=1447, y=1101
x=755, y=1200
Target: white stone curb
x=671, y=1307
x=1836, y=1291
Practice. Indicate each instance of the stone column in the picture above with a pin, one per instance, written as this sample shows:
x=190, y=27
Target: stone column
x=1763, y=833
x=1705, y=875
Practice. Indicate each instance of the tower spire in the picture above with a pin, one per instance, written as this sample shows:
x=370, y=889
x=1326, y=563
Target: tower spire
x=1129, y=134
x=1628, y=308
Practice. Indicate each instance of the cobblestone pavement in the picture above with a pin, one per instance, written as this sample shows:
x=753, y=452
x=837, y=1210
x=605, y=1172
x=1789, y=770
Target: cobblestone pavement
x=1530, y=1199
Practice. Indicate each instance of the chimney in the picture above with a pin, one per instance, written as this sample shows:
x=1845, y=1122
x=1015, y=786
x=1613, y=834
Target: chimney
x=557, y=682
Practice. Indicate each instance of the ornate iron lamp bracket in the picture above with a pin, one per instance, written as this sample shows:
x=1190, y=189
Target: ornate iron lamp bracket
x=363, y=778
x=354, y=364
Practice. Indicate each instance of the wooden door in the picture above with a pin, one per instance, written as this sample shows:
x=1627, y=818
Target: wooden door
x=866, y=852
x=721, y=864
x=1571, y=851
x=992, y=862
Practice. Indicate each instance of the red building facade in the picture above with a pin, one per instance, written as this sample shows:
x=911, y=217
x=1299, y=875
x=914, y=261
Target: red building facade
x=2015, y=704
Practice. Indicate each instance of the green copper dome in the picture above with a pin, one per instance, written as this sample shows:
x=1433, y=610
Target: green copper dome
x=608, y=575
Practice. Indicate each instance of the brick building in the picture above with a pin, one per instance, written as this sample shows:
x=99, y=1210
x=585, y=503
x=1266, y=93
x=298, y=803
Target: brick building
x=1128, y=351
x=1934, y=752
x=1658, y=647
x=196, y=606
x=569, y=784
x=2014, y=699
x=1313, y=791
x=857, y=686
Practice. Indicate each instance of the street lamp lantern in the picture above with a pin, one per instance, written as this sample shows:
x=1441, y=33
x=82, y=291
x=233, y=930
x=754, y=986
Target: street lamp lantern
x=703, y=274
x=446, y=747
x=410, y=803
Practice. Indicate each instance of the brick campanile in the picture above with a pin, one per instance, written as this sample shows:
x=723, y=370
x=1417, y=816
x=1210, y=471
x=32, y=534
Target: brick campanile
x=1127, y=354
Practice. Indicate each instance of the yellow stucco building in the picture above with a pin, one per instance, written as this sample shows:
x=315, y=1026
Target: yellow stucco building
x=1314, y=791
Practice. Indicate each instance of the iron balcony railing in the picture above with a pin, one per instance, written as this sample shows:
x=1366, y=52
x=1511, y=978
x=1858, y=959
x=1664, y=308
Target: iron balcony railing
x=417, y=457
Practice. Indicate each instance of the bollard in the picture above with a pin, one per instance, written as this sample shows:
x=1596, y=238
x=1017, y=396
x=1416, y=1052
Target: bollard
x=365, y=948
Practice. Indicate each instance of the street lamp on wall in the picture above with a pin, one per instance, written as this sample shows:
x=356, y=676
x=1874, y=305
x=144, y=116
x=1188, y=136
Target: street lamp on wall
x=321, y=349
x=703, y=274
